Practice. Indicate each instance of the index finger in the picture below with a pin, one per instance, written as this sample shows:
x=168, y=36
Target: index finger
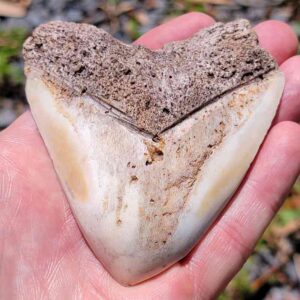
x=178, y=29
x=276, y=37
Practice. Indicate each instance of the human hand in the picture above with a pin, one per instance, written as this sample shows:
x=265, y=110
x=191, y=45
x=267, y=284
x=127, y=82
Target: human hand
x=43, y=254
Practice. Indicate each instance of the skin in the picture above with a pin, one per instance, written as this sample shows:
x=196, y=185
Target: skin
x=42, y=252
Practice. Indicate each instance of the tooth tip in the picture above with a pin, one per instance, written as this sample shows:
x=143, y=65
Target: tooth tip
x=143, y=88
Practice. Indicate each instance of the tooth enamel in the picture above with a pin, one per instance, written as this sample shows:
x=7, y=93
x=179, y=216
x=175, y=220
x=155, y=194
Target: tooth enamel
x=142, y=204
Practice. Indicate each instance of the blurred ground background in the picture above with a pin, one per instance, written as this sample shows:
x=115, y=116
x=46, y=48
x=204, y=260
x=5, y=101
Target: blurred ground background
x=273, y=271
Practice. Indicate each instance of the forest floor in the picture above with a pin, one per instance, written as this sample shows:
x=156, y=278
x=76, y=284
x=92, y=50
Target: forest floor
x=273, y=270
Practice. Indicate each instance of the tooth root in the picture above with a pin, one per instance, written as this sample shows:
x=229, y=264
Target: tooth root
x=143, y=205
x=149, y=91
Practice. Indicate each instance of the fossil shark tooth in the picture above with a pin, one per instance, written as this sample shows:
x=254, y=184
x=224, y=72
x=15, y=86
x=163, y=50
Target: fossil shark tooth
x=149, y=145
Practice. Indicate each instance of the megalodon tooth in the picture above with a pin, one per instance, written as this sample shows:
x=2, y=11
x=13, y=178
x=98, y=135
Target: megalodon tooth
x=149, y=145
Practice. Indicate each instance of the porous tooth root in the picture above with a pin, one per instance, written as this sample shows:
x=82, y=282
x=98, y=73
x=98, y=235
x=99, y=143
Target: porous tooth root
x=146, y=90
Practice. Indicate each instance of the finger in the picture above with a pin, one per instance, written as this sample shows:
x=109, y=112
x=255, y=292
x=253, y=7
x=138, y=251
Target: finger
x=20, y=134
x=278, y=38
x=178, y=29
x=272, y=34
x=24, y=123
x=232, y=238
x=289, y=108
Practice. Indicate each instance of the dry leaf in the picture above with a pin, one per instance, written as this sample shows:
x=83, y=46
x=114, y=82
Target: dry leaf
x=141, y=17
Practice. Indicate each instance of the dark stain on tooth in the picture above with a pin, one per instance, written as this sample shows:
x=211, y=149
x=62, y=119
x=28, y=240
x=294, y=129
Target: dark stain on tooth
x=118, y=209
x=127, y=72
x=147, y=104
x=133, y=178
x=154, y=153
x=166, y=214
x=130, y=165
x=79, y=71
x=166, y=110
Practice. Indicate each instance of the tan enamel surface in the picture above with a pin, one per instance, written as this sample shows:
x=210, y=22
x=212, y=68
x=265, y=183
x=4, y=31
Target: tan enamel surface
x=143, y=205
x=62, y=145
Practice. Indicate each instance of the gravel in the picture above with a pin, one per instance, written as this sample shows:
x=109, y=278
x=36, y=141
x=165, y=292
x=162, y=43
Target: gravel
x=89, y=11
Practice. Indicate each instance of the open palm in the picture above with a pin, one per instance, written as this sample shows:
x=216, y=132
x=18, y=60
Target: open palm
x=42, y=252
